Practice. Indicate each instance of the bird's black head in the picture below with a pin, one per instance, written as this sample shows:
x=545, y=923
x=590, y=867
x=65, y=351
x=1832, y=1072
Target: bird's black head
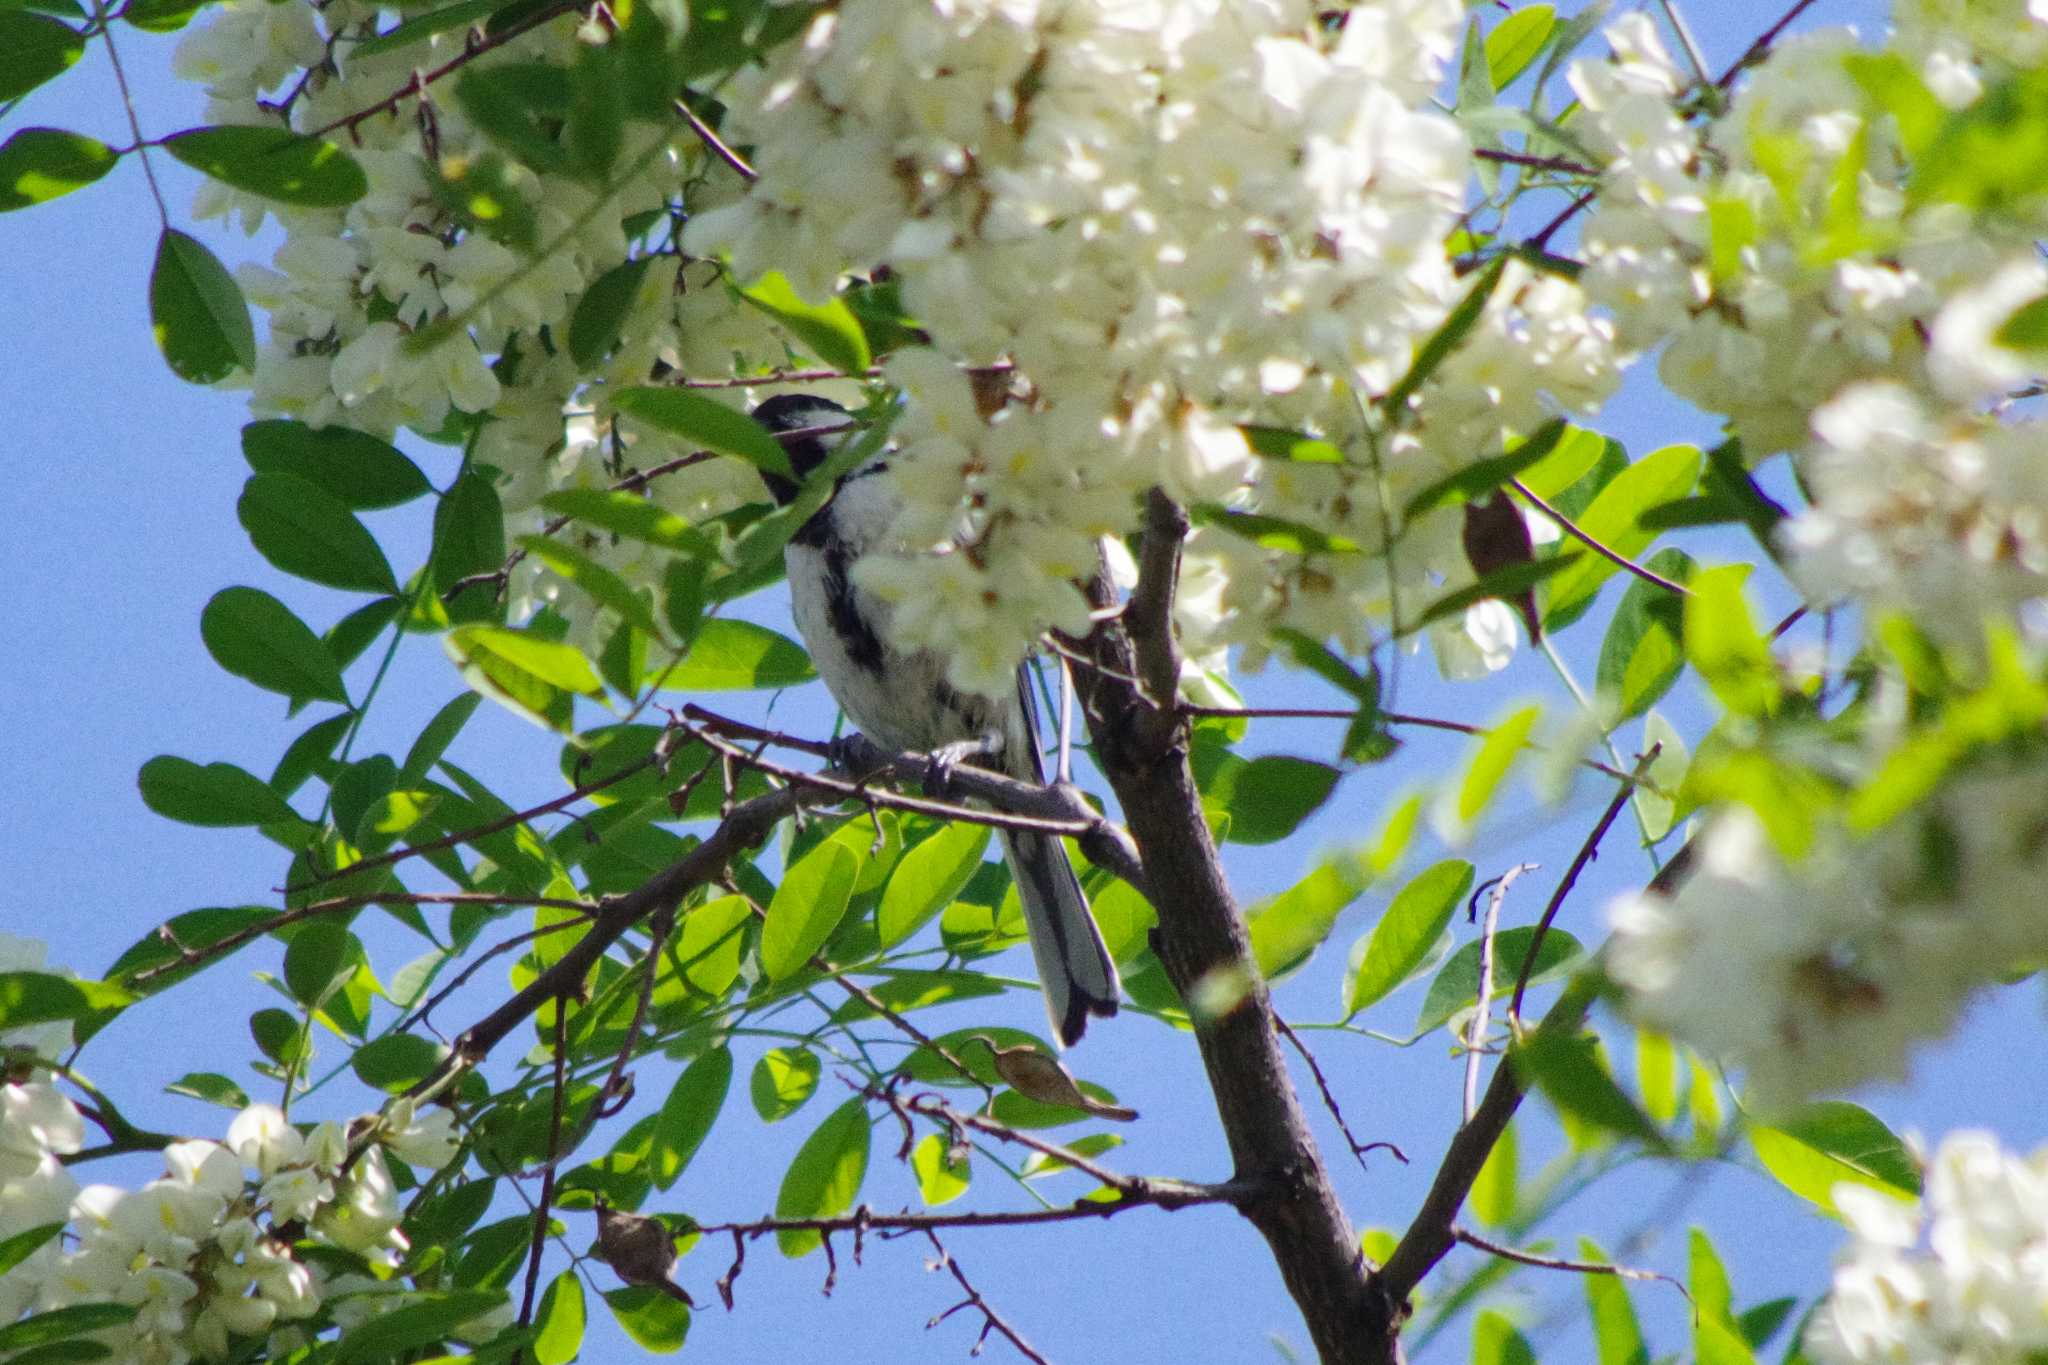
x=787, y=412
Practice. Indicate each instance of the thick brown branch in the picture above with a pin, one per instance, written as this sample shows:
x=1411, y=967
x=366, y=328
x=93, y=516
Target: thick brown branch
x=1141, y=746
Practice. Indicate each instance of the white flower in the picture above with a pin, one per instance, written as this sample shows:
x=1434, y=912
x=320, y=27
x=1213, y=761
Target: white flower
x=36, y=1121
x=263, y=1138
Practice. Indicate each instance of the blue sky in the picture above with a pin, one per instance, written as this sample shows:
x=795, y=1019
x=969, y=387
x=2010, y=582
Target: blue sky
x=119, y=509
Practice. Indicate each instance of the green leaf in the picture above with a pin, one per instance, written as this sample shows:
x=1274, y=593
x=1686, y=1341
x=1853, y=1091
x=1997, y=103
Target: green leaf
x=1518, y=41
x=784, y=1078
x=656, y=1322
x=603, y=585
x=160, y=16
x=686, y=1117
x=469, y=530
x=1456, y=984
x=732, y=654
x=829, y=330
x=1574, y=456
x=708, y=423
x=1402, y=939
x=1723, y=643
x=219, y=794
x=940, y=1180
x=1489, y=767
x=1278, y=443
x=434, y=740
x=1475, y=481
x=601, y=313
x=1644, y=649
x=196, y=310
x=318, y=955
x=362, y=471
x=1506, y=584
x=530, y=673
x=417, y=1319
x=396, y=1061
x=1570, y=1073
x=1268, y=797
x=927, y=879
x=1494, y=1199
x=1446, y=339
x=825, y=1176
x=40, y=998
x=1617, y=1336
x=1611, y=519
x=558, y=1327
x=21, y=1245
x=254, y=636
x=519, y=106
x=1497, y=1341
x=194, y=931
x=1273, y=533
x=39, y=164
x=806, y=908
x=307, y=531
x=1288, y=928
x=631, y=516
x=294, y=169
x=61, y=1324
x=1830, y=1142
x=423, y=26
x=34, y=48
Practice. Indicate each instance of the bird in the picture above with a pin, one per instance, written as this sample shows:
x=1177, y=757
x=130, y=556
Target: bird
x=1038, y=1076
x=640, y=1249
x=900, y=699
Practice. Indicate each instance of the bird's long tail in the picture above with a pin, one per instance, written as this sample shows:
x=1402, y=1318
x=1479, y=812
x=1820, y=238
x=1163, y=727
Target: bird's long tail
x=1073, y=962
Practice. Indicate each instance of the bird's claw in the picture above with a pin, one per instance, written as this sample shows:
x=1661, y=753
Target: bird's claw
x=940, y=762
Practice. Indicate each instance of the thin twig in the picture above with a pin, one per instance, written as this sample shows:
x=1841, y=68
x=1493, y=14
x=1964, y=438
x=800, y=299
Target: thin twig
x=1586, y=853
x=991, y=1321
x=1358, y=1149
x=1572, y=529
x=1508, y=1253
x=547, y=1180
x=1757, y=50
x=1539, y=163
x=1482, y=1014
x=417, y=86
x=134, y=123
x=715, y=143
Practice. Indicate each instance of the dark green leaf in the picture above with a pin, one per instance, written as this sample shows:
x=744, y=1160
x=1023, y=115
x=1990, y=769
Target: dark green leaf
x=196, y=310
x=1273, y=533
x=631, y=516
x=1445, y=339
x=194, y=931
x=1475, y=481
x=1268, y=797
x=307, y=531
x=1505, y=584
x=488, y=193
x=806, y=908
x=1644, y=649
x=1456, y=985
x=219, y=794
x=347, y=638
x=410, y=1321
x=597, y=110
x=33, y=48
x=319, y=953
x=356, y=467
x=520, y=106
x=61, y=1323
x=601, y=314
x=825, y=1175
x=708, y=423
x=688, y=1113
x=161, y=16
x=828, y=330
x=39, y=164
x=730, y=654
x=254, y=636
x=395, y=1061
x=1319, y=659
x=439, y=733
x=276, y=163
x=1410, y=927
x=1569, y=1072
x=279, y=1035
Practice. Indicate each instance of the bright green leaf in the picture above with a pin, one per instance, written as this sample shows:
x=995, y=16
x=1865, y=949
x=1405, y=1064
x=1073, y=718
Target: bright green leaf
x=1518, y=41
x=1406, y=932
x=39, y=998
x=828, y=330
x=603, y=584
x=1570, y=1073
x=784, y=1078
x=1496, y=755
x=825, y=1176
x=686, y=1117
x=39, y=164
x=1616, y=1334
x=1610, y=519
x=940, y=1180
x=1456, y=984
x=1722, y=641
x=927, y=879
x=708, y=423
x=730, y=654
x=806, y=909
x=558, y=1326
x=1644, y=651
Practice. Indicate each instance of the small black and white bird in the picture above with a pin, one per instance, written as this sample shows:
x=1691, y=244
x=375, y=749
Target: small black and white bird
x=902, y=701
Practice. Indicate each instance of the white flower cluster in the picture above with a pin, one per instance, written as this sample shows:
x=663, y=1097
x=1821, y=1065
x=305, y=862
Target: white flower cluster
x=195, y=1251
x=1849, y=956
x=1174, y=217
x=1959, y=1279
